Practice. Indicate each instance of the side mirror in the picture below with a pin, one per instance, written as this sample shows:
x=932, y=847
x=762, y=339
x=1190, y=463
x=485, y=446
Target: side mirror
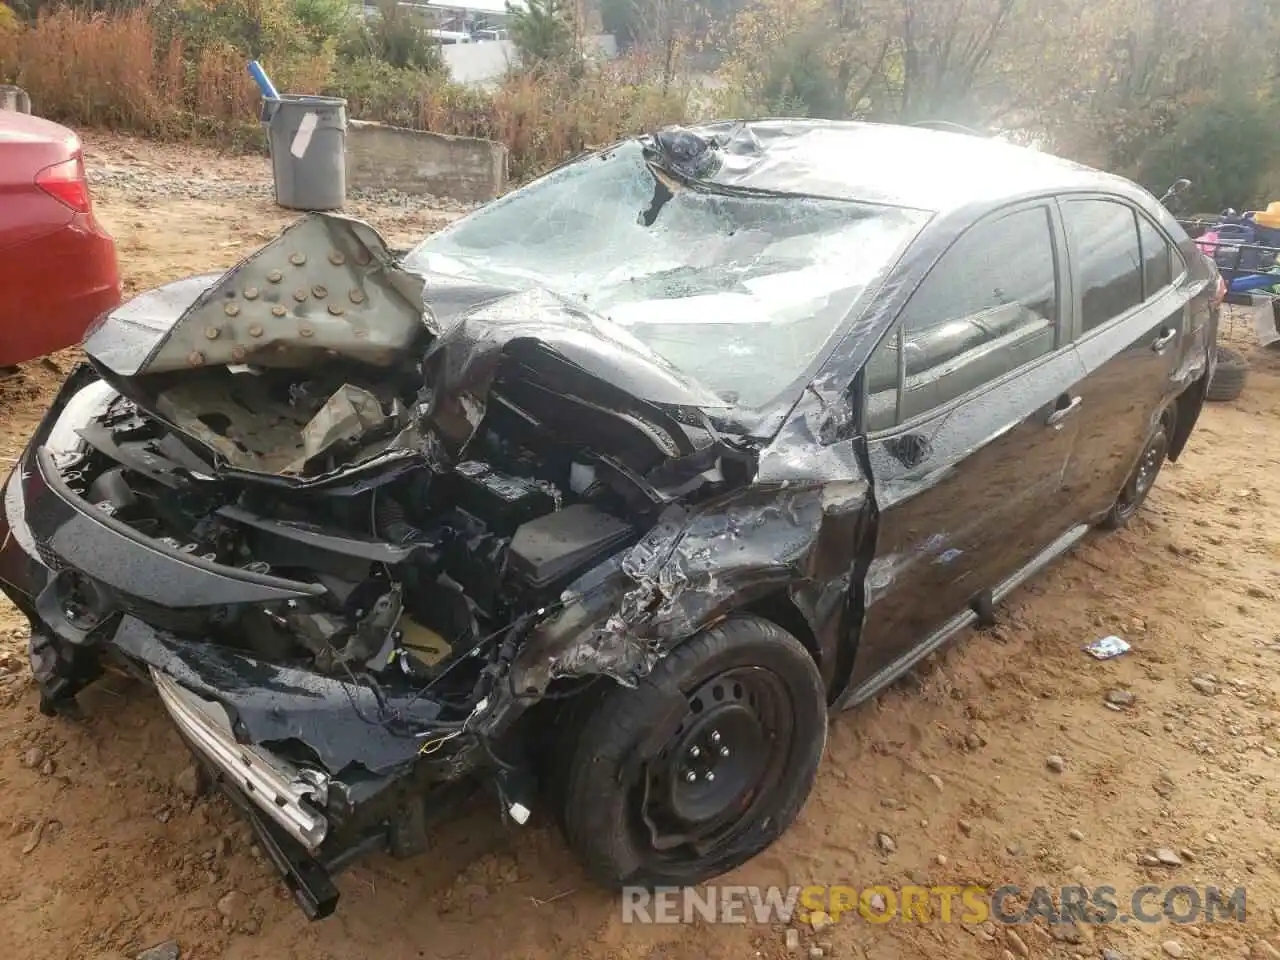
x=1178, y=186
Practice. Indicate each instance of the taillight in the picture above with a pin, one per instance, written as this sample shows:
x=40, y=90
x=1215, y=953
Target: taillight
x=66, y=183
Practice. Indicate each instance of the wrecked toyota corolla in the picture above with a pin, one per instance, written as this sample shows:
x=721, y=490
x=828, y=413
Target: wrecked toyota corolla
x=605, y=495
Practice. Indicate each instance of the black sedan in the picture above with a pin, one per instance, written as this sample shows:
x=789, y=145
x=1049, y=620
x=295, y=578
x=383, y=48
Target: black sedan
x=606, y=496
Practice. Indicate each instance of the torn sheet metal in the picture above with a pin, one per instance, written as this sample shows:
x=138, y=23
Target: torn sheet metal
x=462, y=363
x=327, y=286
x=694, y=567
x=346, y=725
x=346, y=416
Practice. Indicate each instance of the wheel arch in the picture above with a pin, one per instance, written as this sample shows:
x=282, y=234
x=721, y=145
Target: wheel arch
x=1186, y=411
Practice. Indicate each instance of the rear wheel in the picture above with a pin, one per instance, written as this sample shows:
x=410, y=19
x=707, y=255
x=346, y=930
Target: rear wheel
x=1144, y=475
x=702, y=765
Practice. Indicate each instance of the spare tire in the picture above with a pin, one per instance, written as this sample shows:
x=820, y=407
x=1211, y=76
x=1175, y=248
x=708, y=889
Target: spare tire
x=1228, y=376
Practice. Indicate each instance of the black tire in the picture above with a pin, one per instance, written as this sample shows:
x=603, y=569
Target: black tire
x=630, y=772
x=1144, y=474
x=1229, y=375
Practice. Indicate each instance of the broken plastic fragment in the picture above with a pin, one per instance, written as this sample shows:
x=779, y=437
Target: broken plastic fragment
x=1106, y=648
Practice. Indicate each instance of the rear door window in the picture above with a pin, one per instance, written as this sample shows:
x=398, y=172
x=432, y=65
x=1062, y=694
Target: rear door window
x=987, y=307
x=1157, y=258
x=1107, y=258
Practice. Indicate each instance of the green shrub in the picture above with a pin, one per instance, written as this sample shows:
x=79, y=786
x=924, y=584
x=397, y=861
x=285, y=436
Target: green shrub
x=1224, y=146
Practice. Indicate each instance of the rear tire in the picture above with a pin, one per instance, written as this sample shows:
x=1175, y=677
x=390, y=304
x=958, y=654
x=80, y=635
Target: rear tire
x=1229, y=375
x=701, y=766
x=1143, y=478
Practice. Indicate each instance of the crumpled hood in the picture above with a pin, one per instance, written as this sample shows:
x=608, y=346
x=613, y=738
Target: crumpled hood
x=328, y=285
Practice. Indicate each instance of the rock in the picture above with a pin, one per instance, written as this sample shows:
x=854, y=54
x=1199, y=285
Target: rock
x=820, y=921
x=1109, y=954
x=816, y=953
x=965, y=827
x=1075, y=834
x=234, y=906
x=1066, y=933
x=1264, y=951
x=1168, y=857
x=47, y=767
x=1208, y=688
x=792, y=940
x=1014, y=848
x=1121, y=698
x=974, y=742
x=876, y=903
x=187, y=781
x=1055, y=763
x=1080, y=874
x=935, y=780
x=1172, y=948
x=890, y=803
x=1186, y=854
x=1017, y=944
x=32, y=758
x=941, y=859
x=885, y=844
x=169, y=950
x=33, y=838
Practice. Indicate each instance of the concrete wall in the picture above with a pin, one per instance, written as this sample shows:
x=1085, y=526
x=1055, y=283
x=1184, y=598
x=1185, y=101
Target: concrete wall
x=417, y=162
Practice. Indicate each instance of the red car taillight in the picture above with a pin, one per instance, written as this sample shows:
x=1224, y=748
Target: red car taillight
x=66, y=183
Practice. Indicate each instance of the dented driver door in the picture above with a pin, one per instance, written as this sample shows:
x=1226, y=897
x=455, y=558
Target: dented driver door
x=970, y=426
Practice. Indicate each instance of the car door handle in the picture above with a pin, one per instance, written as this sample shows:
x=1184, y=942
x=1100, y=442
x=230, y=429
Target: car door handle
x=1061, y=413
x=1162, y=341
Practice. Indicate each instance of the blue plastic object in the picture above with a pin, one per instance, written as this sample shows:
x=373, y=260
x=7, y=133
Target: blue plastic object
x=263, y=81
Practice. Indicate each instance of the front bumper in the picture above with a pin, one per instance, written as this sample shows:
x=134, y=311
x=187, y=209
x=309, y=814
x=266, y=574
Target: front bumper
x=324, y=769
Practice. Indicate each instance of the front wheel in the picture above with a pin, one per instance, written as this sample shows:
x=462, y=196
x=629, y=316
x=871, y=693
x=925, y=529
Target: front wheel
x=701, y=766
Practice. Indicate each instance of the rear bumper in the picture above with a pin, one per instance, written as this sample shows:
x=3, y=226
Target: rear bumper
x=66, y=279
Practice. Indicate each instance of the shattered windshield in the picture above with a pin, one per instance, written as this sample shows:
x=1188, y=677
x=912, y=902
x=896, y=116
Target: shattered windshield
x=739, y=292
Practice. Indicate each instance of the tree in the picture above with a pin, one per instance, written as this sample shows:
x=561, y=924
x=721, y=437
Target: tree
x=542, y=30
x=1224, y=146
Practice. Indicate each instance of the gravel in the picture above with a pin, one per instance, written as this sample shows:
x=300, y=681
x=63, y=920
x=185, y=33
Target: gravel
x=143, y=184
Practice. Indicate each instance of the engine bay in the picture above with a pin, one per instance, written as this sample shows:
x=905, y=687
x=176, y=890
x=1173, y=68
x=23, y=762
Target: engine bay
x=430, y=570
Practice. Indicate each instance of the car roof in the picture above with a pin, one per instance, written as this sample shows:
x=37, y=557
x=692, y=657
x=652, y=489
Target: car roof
x=24, y=128
x=918, y=167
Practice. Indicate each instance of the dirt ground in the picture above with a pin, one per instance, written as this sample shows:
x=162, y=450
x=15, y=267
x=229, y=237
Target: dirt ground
x=102, y=855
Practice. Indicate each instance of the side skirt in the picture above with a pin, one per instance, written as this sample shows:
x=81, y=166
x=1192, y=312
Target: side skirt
x=881, y=679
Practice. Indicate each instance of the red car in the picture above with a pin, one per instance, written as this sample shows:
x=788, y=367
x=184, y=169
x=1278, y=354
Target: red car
x=57, y=265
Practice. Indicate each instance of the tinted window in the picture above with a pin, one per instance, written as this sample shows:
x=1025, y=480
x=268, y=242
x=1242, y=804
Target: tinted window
x=987, y=307
x=1157, y=258
x=1104, y=249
